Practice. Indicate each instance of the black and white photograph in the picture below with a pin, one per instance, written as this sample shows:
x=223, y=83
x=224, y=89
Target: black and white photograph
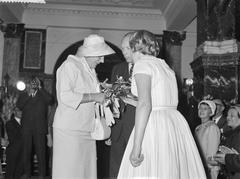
x=119, y=89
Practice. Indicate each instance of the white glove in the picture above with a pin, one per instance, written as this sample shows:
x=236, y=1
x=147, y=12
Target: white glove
x=4, y=142
x=49, y=140
x=108, y=142
x=116, y=106
x=116, y=102
x=108, y=116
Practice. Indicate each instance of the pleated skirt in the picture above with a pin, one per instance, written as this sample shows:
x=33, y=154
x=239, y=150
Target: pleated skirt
x=169, y=150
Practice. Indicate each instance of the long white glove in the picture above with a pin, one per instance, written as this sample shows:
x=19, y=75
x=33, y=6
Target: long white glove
x=116, y=106
x=49, y=140
x=108, y=116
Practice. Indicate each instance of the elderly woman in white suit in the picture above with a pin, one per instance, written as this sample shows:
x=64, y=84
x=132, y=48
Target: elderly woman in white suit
x=74, y=151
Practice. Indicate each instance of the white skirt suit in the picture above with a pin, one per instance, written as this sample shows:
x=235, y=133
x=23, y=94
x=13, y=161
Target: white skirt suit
x=74, y=151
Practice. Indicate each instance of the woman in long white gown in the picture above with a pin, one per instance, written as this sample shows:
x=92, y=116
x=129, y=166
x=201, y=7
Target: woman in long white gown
x=161, y=144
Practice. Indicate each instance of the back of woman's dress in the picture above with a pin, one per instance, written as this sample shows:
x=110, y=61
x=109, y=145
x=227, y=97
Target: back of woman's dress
x=168, y=147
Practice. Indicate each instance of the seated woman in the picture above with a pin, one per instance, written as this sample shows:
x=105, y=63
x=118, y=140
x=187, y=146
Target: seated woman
x=208, y=136
x=230, y=158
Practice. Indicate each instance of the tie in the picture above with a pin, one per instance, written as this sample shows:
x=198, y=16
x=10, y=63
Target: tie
x=214, y=120
x=131, y=70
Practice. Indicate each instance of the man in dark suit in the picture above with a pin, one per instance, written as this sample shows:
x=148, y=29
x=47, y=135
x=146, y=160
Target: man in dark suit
x=14, y=168
x=122, y=129
x=34, y=104
x=219, y=118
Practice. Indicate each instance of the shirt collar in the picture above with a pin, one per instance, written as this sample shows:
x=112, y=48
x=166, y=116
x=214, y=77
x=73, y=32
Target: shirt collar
x=217, y=119
x=18, y=120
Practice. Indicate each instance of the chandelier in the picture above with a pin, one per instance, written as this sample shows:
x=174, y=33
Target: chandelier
x=23, y=1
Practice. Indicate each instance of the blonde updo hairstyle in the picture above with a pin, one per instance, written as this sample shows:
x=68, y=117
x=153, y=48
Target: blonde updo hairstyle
x=145, y=42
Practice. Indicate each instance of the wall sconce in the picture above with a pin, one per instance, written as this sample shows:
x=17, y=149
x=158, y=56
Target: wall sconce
x=6, y=79
x=11, y=29
x=21, y=86
x=188, y=86
x=189, y=81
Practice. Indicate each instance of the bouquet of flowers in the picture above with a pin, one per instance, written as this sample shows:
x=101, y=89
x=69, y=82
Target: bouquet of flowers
x=120, y=88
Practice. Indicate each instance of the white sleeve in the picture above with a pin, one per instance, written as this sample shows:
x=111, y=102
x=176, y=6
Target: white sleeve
x=142, y=68
x=66, y=79
x=213, y=140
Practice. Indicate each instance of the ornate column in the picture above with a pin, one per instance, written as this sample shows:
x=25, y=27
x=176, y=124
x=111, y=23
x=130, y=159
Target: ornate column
x=218, y=20
x=1, y=53
x=173, y=49
x=11, y=52
x=216, y=63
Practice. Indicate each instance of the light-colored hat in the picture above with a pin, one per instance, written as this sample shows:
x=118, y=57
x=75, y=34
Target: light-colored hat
x=211, y=104
x=94, y=45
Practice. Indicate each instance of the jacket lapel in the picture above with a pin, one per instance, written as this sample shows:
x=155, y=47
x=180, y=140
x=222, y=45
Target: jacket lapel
x=16, y=123
x=125, y=70
x=221, y=122
x=91, y=72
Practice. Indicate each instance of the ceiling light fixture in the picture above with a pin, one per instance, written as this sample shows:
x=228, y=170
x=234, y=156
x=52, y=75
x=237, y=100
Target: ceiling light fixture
x=23, y=1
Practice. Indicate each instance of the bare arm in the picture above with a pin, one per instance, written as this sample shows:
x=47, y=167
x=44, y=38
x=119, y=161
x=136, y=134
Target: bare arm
x=143, y=110
x=129, y=101
x=213, y=142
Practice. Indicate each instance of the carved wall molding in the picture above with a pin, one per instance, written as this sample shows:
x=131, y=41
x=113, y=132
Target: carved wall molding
x=133, y=3
x=174, y=37
x=97, y=12
x=12, y=30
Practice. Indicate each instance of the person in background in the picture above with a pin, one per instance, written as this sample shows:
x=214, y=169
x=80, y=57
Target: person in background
x=3, y=142
x=219, y=118
x=78, y=89
x=34, y=103
x=14, y=168
x=51, y=113
x=208, y=136
x=230, y=158
x=188, y=106
x=231, y=162
x=123, y=127
x=161, y=144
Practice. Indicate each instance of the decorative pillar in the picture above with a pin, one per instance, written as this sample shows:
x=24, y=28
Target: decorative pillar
x=216, y=64
x=1, y=54
x=217, y=75
x=218, y=20
x=173, y=49
x=11, y=52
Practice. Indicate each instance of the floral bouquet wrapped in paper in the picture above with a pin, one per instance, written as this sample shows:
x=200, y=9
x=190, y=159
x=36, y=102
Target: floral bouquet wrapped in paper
x=119, y=89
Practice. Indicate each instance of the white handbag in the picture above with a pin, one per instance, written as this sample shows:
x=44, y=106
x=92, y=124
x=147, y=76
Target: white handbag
x=100, y=131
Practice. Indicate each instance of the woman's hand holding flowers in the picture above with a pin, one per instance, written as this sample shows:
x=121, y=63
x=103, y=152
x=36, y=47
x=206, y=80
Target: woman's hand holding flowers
x=129, y=100
x=212, y=162
x=100, y=97
x=120, y=89
x=220, y=158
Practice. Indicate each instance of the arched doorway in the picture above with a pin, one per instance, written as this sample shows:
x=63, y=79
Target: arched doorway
x=103, y=70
